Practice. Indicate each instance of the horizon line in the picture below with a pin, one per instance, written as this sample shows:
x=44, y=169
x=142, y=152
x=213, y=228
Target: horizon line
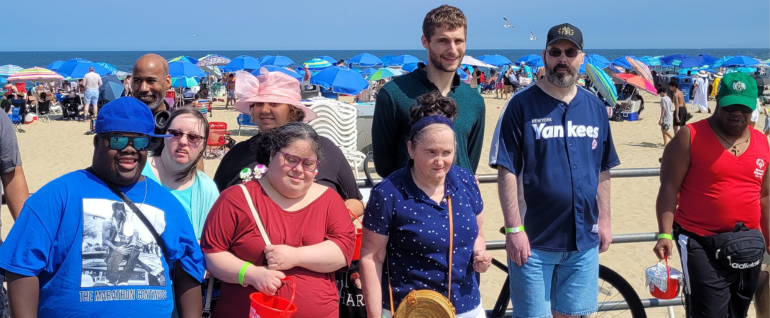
x=400, y=49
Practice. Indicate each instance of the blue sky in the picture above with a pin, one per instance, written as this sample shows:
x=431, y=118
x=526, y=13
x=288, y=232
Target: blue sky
x=107, y=25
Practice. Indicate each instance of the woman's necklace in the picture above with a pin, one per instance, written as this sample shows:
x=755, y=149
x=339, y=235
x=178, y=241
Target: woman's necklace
x=734, y=147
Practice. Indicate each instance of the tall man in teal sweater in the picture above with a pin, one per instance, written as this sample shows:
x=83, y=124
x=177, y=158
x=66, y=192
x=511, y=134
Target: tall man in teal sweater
x=444, y=31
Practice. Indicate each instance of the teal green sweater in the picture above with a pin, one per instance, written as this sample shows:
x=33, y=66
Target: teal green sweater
x=391, y=123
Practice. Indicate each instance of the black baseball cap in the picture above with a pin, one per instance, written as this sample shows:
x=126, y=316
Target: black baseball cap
x=565, y=31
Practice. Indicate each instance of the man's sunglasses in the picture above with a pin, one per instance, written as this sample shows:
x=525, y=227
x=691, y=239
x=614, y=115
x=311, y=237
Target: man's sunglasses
x=120, y=142
x=557, y=52
x=193, y=138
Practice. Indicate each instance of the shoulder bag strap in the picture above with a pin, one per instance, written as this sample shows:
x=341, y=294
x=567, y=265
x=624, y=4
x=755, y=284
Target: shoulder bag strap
x=138, y=213
x=255, y=214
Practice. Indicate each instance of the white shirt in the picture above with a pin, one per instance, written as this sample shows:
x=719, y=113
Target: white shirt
x=92, y=80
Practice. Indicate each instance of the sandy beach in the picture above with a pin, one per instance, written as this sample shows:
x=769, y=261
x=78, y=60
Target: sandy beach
x=52, y=149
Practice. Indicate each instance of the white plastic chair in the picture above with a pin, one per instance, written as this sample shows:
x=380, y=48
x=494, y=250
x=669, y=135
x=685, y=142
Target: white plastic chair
x=337, y=121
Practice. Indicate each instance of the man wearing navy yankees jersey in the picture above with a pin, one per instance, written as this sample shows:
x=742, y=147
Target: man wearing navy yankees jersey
x=553, y=150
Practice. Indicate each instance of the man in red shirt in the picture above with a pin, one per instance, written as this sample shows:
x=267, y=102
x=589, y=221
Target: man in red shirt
x=714, y=197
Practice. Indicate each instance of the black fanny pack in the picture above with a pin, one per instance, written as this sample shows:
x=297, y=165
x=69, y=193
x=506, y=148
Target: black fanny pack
x=740, y=249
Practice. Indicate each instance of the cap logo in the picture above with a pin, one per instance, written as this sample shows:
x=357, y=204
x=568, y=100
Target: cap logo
x=565, y=30
x=739, y=86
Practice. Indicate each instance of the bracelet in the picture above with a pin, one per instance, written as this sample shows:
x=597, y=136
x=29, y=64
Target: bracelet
x=243, y=273
x=514, y=229
x=665, y=236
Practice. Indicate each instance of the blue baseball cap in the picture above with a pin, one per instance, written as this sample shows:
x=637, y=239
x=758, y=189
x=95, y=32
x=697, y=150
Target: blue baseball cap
x=126, y=114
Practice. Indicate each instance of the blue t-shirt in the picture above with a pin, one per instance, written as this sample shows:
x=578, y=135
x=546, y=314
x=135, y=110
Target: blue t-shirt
x=556, y=150
x=418, y=230
x=94, y=256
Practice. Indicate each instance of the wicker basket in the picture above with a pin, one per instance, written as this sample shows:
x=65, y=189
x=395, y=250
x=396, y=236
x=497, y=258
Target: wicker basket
x=425, y=304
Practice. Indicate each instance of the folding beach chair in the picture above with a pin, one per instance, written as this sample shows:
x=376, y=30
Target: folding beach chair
x=218, y=138
x=16, y=118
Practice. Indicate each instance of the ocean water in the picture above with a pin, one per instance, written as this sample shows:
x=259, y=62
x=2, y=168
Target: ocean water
x=124, y=60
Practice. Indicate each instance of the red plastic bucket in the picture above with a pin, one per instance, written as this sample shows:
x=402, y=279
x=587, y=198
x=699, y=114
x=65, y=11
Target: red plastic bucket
x=264, y=306
x=671, y=291
x=359, y=233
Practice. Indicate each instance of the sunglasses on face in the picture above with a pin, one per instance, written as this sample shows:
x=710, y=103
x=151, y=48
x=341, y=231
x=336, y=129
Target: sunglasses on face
x=120, y=142
x=734, y=108
x=557, y=52
x=308, y=164
x=178, y=134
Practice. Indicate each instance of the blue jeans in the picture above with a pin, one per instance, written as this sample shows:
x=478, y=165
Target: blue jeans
x=564, y=282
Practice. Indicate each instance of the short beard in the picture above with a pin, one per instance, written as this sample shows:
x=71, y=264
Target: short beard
x=561, y=80
x=435, y=60
x=154, y=106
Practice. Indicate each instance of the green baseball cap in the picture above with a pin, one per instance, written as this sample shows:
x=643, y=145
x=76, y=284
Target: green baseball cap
x=738, y=89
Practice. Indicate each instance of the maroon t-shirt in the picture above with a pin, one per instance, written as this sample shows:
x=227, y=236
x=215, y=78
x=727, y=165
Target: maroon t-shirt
x=231, y=227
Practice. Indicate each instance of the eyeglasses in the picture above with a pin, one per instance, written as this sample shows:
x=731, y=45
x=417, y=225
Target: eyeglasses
x=120, y=142
x=292, y=161
x=557, y=52
x=193, y=138
x=733, y=108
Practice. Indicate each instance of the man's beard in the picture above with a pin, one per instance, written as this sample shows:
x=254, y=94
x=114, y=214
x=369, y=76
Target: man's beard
x=155, y=105
x=561, y=79
x=436, y=61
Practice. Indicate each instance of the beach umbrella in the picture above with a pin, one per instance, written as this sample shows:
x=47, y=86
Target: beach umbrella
x=669, y=60
x=384, y=73
x=761, y=80
x=8, y=70
x=328, y=59
x=243, y=62
x=496, y=60
x=365, y=60
x=113, y=70
x=649, y=60
x=638, y=82
x=184, y=69
x=746, y=69
x=720, y=62
x=272, y=68
x=470, y=60
x=594, y=59
x=369, y=71
x=387, y=58
x=531, y=60
x=184, y=82
x=622, y=62
x=54, y=65
x=111, y=88
x=78, y=68
x=35, y=74
x=278, y=60
x=3, y=80
x=401, y=60
x=409, y=67
x=212, y=60
x=706, y=59
x=184, y=58
x=740, y=60
x=688, y=62
x=340, y=80
x=642, y=69
x=317, y=64
x=262, y=59
x=603, y=84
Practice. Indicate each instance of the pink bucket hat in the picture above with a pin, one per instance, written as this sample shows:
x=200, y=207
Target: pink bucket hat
x=268, y=87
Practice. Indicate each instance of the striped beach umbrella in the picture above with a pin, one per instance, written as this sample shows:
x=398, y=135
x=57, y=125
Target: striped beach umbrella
x=8, y=70
x=212, y=60
x=643, y=71
x=184, y=58
x=35, y=74
x=317, y=64
x=603, y=84
x=384, y=73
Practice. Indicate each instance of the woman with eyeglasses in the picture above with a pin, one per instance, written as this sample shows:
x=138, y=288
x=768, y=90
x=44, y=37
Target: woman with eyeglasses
x=307, y=226
x=174, y=165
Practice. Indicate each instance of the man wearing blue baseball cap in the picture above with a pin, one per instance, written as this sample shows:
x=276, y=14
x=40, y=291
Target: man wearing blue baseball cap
x=105, y=240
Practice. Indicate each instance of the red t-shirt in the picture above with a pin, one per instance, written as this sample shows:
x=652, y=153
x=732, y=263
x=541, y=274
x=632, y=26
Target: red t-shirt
x=721, y=189
x=231, y=227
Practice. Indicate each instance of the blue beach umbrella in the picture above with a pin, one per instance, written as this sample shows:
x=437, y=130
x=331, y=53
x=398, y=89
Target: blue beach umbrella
x=623, y=62
x=706, y=59
x=384, y=73
x=278, y=60
x=184, y=69
x=54, y=65
x=184, y=82
x=409, y=67
x=496, y=60
x=78, y=68
x=386, y=59
x=317, y=64
x=401, y=60
x=689, y=62
x=262, y=59
x=8, y=70
x=184, y=58
x=741, y=60
x=3, y=80
x=272, y=68
x=113, y=70
x=328, y=59
x=531, y=60
x=649, y=60
x=720, y=62
x=595, y=60
x=369, y=71
x=365, y=60
x=111, y=88
x=669, y=60
x=341, y=80
x=243, y=62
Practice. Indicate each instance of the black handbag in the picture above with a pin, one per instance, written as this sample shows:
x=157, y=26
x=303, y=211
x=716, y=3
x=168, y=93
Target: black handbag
x=740, y=249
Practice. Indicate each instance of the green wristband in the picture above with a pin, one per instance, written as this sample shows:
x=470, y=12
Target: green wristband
x=665, y=236
x=514, y=229
x=243, y=273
